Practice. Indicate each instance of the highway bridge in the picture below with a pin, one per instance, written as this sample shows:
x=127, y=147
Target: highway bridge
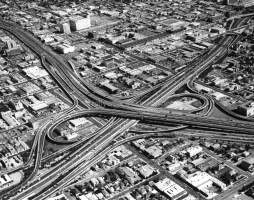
x=241, y=16
x=169, y=118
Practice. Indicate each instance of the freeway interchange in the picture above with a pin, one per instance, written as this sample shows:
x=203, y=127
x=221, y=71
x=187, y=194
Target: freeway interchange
x=124, y=115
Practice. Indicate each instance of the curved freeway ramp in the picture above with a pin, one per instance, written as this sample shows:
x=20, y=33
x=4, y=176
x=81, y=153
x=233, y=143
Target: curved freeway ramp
x=192, y=120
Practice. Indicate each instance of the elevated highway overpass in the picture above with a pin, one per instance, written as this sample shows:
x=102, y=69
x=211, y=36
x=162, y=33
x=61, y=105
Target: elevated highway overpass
x=193, y=120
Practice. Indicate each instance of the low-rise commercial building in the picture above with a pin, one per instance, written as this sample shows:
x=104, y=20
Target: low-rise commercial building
x=190, y=197
x=12, y=51
x=65, y=48
x=3, y=124
x=130, y=174
x=61, y=196
x=78, y=123
x=153, y=151
x=246, y=109
x=70, y=136
x=171, y=189
x=146, y=171
x=192, y=151
x=17, y=105
x=201, y=181
x=218, y=30
x=109, y=87
x=139, y=143
x=35, y=72
x=10, y=120
x=5, y=181
x=248, y=164
x=30, y=88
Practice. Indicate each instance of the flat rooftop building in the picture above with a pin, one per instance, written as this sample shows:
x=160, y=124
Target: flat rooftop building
x=78, y=23
x=10, y=120
x=248, y=164
x=35, y=72
x=61, y=196
x=109, y=87
x=65, y=48
x=5, y=180
x=78, y=123
x=192, y=151
x=246, y=109
x=171, y=189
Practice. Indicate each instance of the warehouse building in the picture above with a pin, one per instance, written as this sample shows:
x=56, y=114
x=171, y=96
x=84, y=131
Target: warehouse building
x=171, y=189
x=192, y=151
x=10, y=120
x=246, y=109
x=78, y=123
x=65, y=48
x=248, y=164
x=5, y=181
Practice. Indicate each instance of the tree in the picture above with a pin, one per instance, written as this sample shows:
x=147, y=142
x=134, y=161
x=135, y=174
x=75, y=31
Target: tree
x=247, y=147
x=106, y=177
x=99, y=187
x=80, y=187
x=113, y=177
